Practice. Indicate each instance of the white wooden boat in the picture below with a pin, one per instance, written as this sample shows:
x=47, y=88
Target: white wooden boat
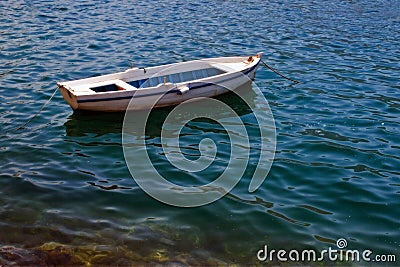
x=160, y=86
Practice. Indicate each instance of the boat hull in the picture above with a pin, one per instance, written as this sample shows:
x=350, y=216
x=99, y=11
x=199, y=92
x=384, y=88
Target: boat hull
x=69, y=97
x=162, y=95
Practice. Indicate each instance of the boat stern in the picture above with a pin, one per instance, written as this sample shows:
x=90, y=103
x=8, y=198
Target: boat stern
x=68, y=95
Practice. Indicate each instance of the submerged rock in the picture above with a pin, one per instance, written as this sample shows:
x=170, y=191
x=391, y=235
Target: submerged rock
x=12, y=256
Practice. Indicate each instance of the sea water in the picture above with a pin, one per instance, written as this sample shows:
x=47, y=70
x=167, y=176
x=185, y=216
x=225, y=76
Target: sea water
x=67, y=196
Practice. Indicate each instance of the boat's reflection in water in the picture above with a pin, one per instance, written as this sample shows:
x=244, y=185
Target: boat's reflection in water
x=83, y=123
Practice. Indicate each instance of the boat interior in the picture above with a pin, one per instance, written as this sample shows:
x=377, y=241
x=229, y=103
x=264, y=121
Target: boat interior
x=116, y=85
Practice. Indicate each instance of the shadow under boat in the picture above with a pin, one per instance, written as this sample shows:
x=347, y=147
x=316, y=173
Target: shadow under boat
x=83, y=123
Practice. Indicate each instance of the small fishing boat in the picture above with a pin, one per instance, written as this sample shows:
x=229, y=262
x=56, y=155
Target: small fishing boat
x=160, y=86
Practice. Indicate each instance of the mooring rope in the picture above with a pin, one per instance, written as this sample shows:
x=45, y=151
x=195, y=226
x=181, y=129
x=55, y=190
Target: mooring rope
x=277, y=72
x=40, y=110
x=34, y=116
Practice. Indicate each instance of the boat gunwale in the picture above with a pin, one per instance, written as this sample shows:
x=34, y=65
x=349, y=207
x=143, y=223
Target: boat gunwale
x=171, y=90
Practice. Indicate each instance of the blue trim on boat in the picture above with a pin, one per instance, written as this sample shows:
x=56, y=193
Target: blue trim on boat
x=191, y=87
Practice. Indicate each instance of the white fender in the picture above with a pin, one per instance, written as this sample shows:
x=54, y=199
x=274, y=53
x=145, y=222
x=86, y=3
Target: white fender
x=183, y=89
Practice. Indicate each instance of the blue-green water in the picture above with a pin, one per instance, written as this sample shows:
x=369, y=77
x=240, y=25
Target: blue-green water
x=67, y=196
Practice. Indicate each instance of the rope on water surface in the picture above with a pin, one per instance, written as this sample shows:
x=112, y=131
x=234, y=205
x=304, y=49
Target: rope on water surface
x=277, y=72
x=36, y=114
x=40, y=110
